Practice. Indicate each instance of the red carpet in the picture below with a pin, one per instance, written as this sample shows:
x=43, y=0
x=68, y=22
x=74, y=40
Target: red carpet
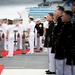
x=4, y=53
x=1, y=68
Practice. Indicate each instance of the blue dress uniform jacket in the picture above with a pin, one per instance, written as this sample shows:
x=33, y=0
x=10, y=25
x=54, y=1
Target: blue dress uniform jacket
x=63, y=41
x=48, y=35
x=56, y=30
x=61, y=44
x=71, y=53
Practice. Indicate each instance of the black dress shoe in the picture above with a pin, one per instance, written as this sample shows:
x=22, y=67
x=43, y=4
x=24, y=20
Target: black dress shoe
x=1, y=57
x=35, y=48
x=37, y=51
x=41, y=49
x=47, y=71
x=50, y=72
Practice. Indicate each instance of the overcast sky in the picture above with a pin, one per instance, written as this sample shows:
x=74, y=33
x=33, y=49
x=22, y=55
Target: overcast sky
x=10, y=11
x=19, y=2
x=10, y=8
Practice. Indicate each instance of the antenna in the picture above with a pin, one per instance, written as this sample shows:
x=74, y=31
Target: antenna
x=19, y=14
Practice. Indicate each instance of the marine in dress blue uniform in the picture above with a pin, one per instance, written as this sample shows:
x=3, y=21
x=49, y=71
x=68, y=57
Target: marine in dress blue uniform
x=48, y=43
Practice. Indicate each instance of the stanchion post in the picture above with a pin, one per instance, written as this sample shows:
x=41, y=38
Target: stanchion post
x=1, y=46
x=3, y=41
x=38, y=43
x=18, y=41
x=23, y=44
